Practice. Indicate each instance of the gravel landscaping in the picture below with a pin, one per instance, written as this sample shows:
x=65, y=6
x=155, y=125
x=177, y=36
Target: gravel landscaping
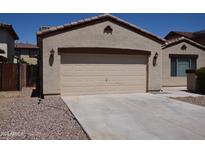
x=193, y=100
x=24, y=118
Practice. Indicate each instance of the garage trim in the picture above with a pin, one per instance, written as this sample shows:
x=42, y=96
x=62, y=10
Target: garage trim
x=93, y=50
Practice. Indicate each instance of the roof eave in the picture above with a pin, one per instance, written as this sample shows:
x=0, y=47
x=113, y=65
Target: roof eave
x=53, y=30
x=183, y=39
x=9, y=28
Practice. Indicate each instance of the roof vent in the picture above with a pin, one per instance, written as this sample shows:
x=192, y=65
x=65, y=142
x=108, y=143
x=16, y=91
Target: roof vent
x=184, y=47
x=108, y=30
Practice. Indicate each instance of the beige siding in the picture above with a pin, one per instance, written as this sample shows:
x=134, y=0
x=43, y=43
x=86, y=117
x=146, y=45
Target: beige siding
x=93, y=36
x=167, y=79
x=99, y=73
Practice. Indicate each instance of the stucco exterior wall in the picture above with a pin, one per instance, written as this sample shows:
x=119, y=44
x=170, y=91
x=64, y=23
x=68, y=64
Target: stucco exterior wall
x=3, y=38
x=93, y=36
x=3, y=46
x=167, y=79
x=28, y=55
x=11, y=47
x=7, y=44
x=29, y=59
x=3, y=42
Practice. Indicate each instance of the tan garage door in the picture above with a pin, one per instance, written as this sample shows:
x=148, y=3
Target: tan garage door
x=102, y=73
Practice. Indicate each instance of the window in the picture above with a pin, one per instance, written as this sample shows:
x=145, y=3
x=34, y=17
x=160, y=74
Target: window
x=173, y=67
x=180, y=65
x=2, y=51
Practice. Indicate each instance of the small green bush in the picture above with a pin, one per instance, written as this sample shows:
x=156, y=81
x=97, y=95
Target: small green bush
x=201, y=79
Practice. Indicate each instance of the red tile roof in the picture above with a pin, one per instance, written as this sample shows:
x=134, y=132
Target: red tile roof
x=186, y=34
x=190, y=35
x=197, y=37
x=182, y=39
x=25, y=46
x=174, y=34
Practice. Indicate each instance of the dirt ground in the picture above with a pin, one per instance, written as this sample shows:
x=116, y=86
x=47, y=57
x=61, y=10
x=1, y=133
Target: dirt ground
x=193, y=100
x=21, y=117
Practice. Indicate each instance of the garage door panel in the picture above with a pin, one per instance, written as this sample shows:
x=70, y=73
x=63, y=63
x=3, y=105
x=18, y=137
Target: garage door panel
x=107, y=67
x=101, y=92
x=102, y=83
x=103, y=73
x=100, y=74
x=105, y=89
x=80, y=58
x=100, y=78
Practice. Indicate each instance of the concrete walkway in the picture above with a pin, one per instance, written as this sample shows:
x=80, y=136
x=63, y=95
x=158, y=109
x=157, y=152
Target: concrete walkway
x=137, y=116
x=176, y=92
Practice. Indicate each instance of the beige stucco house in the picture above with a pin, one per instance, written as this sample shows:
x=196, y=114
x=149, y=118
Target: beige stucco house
x=178, y=55
x=7, y=39
x=105, y=54
x=27, y=52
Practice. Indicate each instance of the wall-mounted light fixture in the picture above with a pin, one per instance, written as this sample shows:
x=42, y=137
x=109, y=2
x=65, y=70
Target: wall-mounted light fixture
x=51, y=57
x=155, y=59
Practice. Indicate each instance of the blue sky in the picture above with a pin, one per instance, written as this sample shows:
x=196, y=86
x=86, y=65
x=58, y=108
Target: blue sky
x=26, y=25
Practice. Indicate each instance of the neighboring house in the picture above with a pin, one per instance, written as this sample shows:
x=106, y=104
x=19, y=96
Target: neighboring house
x=198, y=36
x=27, y=52
x=7, y=39
x=105, y=54
x=182, y=51
x=178, y=55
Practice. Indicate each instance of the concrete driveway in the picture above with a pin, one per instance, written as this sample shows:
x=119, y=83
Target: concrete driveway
x=137, y=116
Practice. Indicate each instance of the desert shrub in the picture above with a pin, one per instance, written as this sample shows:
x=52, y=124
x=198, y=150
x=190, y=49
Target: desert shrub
x=201, y=79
